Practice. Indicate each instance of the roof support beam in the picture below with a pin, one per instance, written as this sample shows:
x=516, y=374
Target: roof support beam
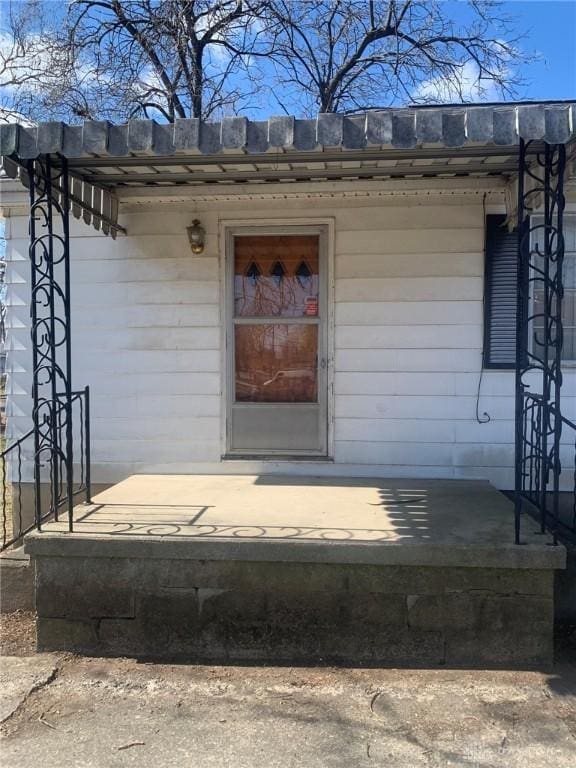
x=369, y=155
x=303, y=174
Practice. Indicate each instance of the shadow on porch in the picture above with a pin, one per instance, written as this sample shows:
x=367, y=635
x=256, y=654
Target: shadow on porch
x=306, y=509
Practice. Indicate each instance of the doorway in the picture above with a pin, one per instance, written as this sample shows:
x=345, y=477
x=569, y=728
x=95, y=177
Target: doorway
x=277, y=342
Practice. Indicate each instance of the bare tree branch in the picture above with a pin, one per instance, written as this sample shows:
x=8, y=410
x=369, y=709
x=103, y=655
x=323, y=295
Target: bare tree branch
x=110, y=55
x=348, y=54
x=117, y=59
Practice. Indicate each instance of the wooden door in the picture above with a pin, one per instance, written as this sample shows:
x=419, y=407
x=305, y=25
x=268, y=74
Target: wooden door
x=277, y=344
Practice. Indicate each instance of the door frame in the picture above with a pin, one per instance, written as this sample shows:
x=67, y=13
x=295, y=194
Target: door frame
x=324, y=227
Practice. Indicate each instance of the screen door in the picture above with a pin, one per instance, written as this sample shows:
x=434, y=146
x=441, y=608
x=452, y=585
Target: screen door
x=277, y=344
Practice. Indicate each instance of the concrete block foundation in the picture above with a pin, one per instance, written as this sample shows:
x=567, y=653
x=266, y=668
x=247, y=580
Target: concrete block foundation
x=304, y=613
x=16, y=582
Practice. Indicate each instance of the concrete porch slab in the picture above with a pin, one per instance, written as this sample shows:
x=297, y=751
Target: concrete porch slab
x=302, y=519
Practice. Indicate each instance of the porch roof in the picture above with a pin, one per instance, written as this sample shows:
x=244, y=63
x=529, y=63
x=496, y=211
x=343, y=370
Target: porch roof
x=418, y=140
x=104, y=160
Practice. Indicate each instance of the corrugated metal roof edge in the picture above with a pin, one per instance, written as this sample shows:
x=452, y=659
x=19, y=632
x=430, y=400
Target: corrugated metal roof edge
x=452, y=127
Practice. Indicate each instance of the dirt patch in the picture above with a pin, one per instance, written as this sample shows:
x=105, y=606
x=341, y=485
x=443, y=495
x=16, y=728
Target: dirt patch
x=17, y=634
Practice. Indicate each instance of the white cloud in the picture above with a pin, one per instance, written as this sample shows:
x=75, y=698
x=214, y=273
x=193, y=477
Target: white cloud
x=467, y=86
x=11, y=116
x=17, y=59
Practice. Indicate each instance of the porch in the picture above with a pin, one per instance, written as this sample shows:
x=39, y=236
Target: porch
x=370, y=572
x=298, y=570
x=423, y=514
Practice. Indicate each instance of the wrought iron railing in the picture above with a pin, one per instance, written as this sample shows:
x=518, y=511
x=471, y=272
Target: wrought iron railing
x=555, y=512
x=14, y=521
x=567, y=507
x=25, y=505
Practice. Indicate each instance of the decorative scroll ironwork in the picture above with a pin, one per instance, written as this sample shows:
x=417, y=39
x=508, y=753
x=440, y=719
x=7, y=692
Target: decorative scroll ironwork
x=18, y=515
x=539, y=336
x=51, y=343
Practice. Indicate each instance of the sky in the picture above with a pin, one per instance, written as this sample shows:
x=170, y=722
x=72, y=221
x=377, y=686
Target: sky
x=551, y=31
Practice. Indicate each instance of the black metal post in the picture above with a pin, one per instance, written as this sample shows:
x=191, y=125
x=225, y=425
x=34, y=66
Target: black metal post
x=521, y=302
x=545, y=340
x=53, y=414
x=65, y=208
x=558, y=288
x=87, y=439
x=35, y=345
x=539, y=337
x=51, y=341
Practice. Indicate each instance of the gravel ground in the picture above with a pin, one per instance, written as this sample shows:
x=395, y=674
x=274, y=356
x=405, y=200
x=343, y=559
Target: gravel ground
x=17, y=634
x=108, y=713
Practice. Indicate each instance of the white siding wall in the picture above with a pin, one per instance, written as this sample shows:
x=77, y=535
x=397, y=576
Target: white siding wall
x=408, y=340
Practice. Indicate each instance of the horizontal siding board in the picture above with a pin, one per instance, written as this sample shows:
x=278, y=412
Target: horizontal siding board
x=352, y=216
x=492, y=432
x=422, y=383
x=141, y=293
x=408, y=337
x=154, y=384
x=154, y=407
x=145, y=361
x=482, y=455
x=395, y=384
x=415, y=454
x=429, y=360
x=413, y=240
x=168, y=269
x=156, y=450
x=395, y=431
x=114, y=362
x=409, y=289
x=416, y=407
x=189, y=428
x=423, y=264
x=150, y=316
x=152, y=247
x=409, y=312
x=149, y=339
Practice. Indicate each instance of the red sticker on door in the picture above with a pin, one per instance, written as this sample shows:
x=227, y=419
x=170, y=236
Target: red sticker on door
x=311, y=306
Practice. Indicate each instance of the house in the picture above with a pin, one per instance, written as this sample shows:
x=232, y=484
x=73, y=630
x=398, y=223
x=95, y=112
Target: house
x=313, y=355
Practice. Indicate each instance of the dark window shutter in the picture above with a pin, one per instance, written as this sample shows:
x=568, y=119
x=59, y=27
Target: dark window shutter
x=500, y=290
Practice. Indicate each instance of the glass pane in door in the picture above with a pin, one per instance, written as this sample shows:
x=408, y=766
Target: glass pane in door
x=276, y=363
x=276, y=276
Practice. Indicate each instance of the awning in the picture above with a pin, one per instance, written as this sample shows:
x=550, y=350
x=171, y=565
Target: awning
x=444, y=142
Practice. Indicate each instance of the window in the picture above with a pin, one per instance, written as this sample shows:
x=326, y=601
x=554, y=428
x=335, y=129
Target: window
x=500, y=292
